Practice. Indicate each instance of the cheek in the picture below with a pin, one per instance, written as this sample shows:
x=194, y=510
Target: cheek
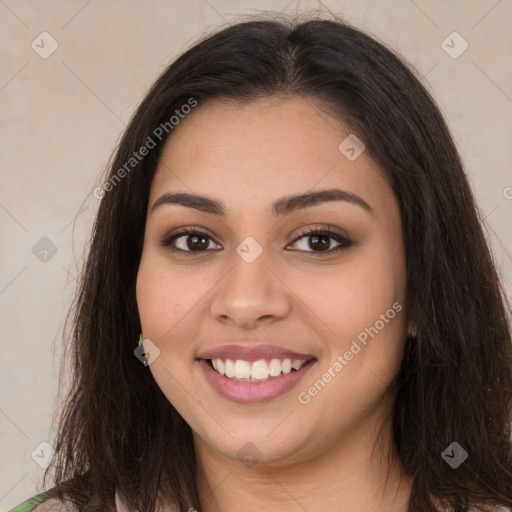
x=346, y=301
x=164, y=299
x=165, y=296
x=361, y=307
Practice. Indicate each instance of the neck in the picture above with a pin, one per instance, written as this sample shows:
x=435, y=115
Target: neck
x=360, y=472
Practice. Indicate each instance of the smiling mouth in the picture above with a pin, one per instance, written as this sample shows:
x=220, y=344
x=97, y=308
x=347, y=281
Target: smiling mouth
x=240, y=370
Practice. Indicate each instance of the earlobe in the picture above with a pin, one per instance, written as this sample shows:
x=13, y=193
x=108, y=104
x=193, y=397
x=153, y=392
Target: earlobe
x=411, y=330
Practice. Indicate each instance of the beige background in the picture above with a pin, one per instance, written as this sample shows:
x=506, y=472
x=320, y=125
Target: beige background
x=62, y=116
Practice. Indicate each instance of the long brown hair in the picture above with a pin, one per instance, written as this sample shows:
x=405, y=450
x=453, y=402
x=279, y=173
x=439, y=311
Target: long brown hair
x=117, y=429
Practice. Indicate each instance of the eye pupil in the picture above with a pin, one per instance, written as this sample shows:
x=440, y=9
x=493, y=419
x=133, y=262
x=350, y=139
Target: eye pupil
x=323, y=245
x=193, y=247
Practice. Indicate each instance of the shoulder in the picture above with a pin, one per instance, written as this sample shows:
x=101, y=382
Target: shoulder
x=41, y=503
x=54, y=505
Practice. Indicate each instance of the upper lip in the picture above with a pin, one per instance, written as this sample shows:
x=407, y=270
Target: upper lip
x=251, y=353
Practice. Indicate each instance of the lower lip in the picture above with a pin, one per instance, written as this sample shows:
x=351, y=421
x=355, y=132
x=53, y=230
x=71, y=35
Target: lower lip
x=253, y=392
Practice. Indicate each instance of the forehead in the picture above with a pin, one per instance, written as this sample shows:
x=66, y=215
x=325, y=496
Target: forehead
x=263, y=150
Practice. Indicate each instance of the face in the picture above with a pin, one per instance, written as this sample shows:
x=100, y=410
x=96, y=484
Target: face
x=280, y=317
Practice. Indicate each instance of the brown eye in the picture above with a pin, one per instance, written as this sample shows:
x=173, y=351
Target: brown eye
x=196, y=242
x=188, y=241
x=320, y=241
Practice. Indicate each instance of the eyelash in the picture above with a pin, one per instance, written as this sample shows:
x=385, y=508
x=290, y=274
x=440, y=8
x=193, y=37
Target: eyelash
x=345, y=242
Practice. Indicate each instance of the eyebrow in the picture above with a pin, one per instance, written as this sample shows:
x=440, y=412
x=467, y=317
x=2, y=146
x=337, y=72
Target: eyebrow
x=281, y=207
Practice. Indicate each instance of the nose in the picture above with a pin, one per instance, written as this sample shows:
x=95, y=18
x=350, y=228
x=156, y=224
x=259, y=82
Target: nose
x=250, y=294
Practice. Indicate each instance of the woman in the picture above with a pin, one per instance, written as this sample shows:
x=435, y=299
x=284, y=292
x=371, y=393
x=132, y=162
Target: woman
x=288, y=230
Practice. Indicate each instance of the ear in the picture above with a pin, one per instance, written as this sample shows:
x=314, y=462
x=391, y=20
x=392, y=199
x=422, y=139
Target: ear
x=411, y=330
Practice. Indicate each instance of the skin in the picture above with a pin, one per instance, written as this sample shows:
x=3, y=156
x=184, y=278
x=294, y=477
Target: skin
x=326, y=454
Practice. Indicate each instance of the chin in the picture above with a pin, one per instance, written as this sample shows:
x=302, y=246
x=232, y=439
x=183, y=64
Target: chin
x=251, y=444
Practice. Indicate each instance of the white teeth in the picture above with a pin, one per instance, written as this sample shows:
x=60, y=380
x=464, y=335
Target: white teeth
x=221, y=367
x=297, y=364
x=274, y=368
x=230, y=368
x=257, y=371
x=242, y=369
x=286, y=366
